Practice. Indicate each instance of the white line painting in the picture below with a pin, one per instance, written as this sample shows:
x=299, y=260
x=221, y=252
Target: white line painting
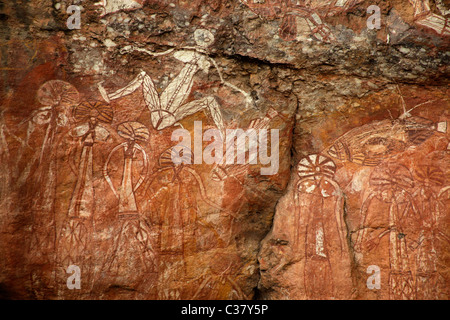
x=133, y=132
x=91, y=115
x=314, y=11
x=372, y=143
x=237, y=170
x=319, y=219
x=56, y=96
x=75, y=241
x=173, y=193
x=131, y=257
x=391, y=183
x=429, y=197
x=170, y=106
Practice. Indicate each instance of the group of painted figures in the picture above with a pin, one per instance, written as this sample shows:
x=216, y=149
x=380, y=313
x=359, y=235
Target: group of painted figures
x=126, y=169
x=107, y=167
x=403, y=212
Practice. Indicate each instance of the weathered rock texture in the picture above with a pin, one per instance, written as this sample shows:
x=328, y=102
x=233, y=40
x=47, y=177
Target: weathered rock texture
x=86, y=121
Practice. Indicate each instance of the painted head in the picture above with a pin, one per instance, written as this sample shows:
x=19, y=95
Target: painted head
x=203, y=38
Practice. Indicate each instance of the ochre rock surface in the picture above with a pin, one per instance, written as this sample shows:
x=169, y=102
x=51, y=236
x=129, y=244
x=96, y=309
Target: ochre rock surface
x=357, y=203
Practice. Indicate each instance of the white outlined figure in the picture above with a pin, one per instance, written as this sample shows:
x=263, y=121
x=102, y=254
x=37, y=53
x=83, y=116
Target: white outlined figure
x=57, y=97
x=173, y=217
x=372, y=143
x=389, y=183
x=236, y=170
x=90, y=130
x=133, y=132
x=170, y=106
x=319, y=219
x=173, y=194
x=74, y=245
x=131, y=255
x=430, y=180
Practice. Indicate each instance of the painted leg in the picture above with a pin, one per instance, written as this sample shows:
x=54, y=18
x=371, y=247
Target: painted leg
x=128, y=89
x=319, y=29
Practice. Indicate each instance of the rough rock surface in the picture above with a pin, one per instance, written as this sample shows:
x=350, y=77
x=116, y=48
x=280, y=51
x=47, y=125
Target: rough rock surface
x=357, y=208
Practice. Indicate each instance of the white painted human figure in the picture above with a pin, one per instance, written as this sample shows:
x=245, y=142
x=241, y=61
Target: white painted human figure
x=319, y=227
x=170, y=106
x=56, y=97
x=133, y=132
x=429, y=197
x=389, y=184
x=82, y=202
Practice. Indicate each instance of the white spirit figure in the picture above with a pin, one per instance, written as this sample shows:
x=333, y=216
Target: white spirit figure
x=170, y=107
x=90, y=115
x=132, y=132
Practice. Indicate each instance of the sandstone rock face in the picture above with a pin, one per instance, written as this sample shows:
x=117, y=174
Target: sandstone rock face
x=117, y=165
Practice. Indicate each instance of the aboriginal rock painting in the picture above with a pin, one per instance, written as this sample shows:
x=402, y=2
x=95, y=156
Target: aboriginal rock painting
x=76, y=236
x=314, y=12
x=396, y=224
x=234, y=175
x=91, y=120
x=56, y=98
x=389, y=184
x=319, y=201
x=170, y=107
x=132, y=216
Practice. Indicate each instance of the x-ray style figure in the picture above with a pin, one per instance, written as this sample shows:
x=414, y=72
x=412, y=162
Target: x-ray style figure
x=319, y=220
x=313, y=11
x=170, y=106
x=131, y=251
x=133, y=132
x=57, y=97
x=90, y=115
x=389, y=184
x=429, y=283
x=173, y=207
x=74, y=245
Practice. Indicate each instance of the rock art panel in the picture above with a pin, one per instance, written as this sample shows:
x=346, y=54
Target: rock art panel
x=224, y=150
x=392, y=187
